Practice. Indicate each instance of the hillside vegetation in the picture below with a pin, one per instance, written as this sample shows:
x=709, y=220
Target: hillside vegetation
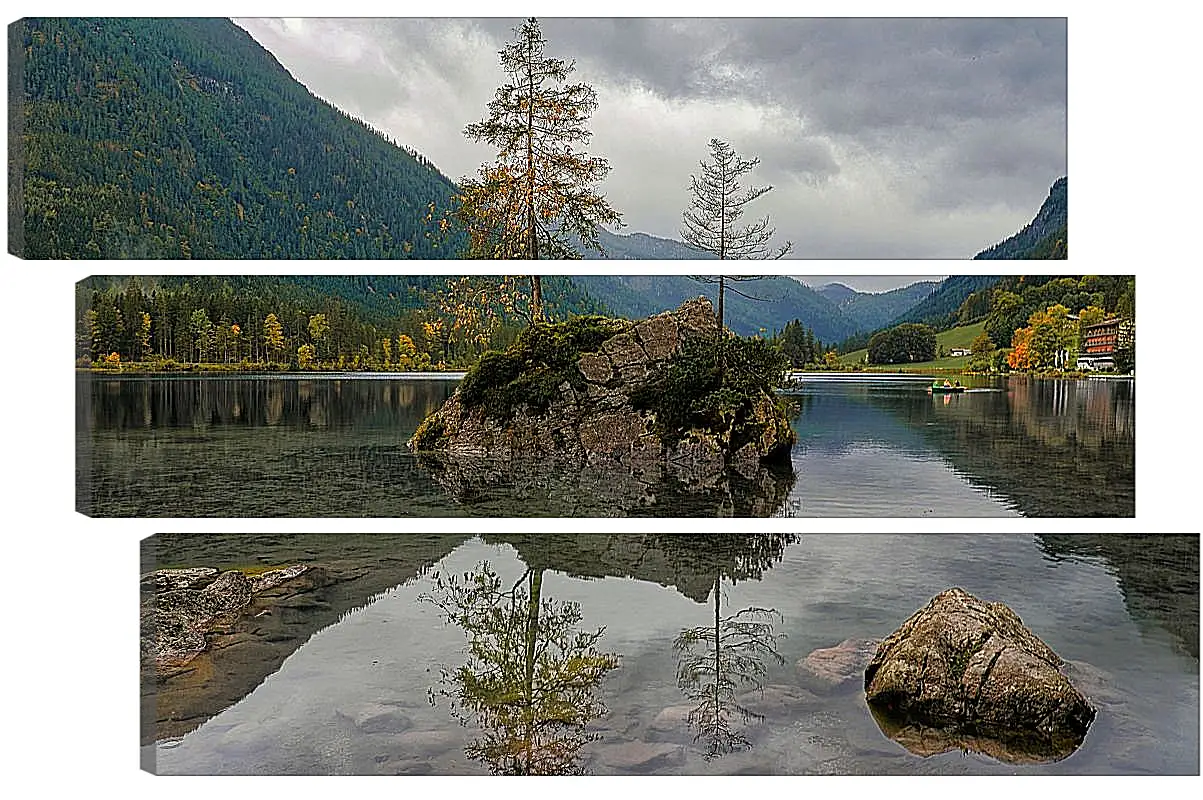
x=961, y=336
x=184, y=138
x=1046, y=236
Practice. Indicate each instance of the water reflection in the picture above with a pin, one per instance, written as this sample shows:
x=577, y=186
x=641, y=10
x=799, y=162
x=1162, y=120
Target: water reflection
x=720, y=662
x=1042, y=447
x=554, y=487
x=370, y=649
x=349, y=572
x=138, y=402
x=1158, y=576
x=926, y=741
x=335, y=446
x=530, y=681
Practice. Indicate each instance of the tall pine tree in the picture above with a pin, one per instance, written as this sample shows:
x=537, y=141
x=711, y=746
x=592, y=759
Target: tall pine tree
x=538, y=194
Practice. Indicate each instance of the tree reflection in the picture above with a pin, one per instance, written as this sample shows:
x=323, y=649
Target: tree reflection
x=530, y=679
x=716, y=663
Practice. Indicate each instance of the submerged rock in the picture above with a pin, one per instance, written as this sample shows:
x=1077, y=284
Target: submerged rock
x=177, y=621
x=601, y=391
x=970, y=671
x=776, y=701
x=830, y=668
x=640, y=756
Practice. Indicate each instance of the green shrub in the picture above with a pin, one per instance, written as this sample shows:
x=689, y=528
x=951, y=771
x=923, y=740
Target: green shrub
x=696, y=391
x=428, y=434
x=532, y=369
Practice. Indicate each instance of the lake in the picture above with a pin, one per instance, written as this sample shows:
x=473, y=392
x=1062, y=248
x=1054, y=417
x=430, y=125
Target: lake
x=339, y=680
x=323, y=445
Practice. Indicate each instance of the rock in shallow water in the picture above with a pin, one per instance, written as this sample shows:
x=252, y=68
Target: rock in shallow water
x=971, y=670
x=595, y=415
x=829, y=668
x=376, y=718
x=640, y=756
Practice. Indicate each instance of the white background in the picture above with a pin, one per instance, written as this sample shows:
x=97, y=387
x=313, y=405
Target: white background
x=71, y=651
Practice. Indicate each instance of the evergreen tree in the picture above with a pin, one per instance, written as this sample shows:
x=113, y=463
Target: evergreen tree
x=538, y=193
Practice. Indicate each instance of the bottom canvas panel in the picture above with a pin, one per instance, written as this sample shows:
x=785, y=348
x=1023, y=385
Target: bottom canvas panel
x=629, y=654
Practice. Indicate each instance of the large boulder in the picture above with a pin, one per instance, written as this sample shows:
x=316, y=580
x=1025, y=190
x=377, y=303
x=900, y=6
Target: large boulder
x=970, y=670
x=586, y=392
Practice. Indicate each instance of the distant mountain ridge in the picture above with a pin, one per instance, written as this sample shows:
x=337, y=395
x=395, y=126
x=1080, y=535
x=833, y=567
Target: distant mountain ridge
x=641, y=246
x=870, y=311
x=770, y=303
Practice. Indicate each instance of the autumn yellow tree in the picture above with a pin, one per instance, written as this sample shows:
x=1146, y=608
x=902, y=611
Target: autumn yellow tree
x=409, y=357
x=273, y=335
x=386, y=344
x=537, y=198
x=530, y=682
x=1020, y=356
x=143, y=336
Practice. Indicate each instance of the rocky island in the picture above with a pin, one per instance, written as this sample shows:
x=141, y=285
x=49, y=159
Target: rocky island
x=669, y=393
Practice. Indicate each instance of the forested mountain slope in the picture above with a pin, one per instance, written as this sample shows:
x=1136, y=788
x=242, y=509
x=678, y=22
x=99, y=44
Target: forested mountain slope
x=872, y=310
x=770, y=303
x=1046, y=236
x=184, y=138
x=940, y=309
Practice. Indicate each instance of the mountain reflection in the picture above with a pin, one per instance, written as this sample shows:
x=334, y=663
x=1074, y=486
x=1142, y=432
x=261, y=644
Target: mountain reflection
x=530, y=679
x=1053, y=447
x=1158, y=576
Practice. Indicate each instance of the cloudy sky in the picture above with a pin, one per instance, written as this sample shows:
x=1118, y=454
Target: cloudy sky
x=882, y=138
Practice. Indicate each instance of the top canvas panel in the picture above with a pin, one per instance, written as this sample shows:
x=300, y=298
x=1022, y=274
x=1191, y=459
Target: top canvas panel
x=552, y=138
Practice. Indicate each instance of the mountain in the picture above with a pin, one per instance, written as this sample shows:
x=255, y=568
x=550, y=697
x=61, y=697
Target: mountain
x=642, y=246
x=940, y=308
x=837, y=293
x=178, y=138
x=771, y=302
x=870, y=311
x=1045, y=237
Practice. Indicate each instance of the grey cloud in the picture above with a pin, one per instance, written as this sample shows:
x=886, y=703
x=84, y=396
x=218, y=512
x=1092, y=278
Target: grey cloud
x=884, y=137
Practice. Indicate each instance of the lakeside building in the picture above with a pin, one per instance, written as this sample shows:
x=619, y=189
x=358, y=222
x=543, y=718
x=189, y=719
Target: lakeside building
x=1101, y=340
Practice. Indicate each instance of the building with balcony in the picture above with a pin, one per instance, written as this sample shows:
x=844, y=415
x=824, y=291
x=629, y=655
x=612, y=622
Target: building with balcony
x=1100, y=341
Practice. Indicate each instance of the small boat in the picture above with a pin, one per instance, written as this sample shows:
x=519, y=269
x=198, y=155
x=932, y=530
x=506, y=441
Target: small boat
x=946, y=389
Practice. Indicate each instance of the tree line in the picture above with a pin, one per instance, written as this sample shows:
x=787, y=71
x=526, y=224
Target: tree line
x=296, y=323
x=1030, y=323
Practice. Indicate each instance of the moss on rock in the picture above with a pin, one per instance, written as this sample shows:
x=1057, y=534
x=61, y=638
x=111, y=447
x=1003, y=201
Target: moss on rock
x=532, y=369
x=719, y=391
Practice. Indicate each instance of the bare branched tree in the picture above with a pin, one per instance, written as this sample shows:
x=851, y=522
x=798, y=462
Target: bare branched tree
x=716, y=663
x=711, y=222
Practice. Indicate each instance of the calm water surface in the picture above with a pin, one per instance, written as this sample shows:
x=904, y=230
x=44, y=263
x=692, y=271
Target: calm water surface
x=346, y=690
x=335, y=446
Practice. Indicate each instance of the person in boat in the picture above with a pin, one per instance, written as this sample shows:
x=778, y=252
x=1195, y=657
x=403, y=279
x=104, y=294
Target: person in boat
x=957, y=385
x=947, y=385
